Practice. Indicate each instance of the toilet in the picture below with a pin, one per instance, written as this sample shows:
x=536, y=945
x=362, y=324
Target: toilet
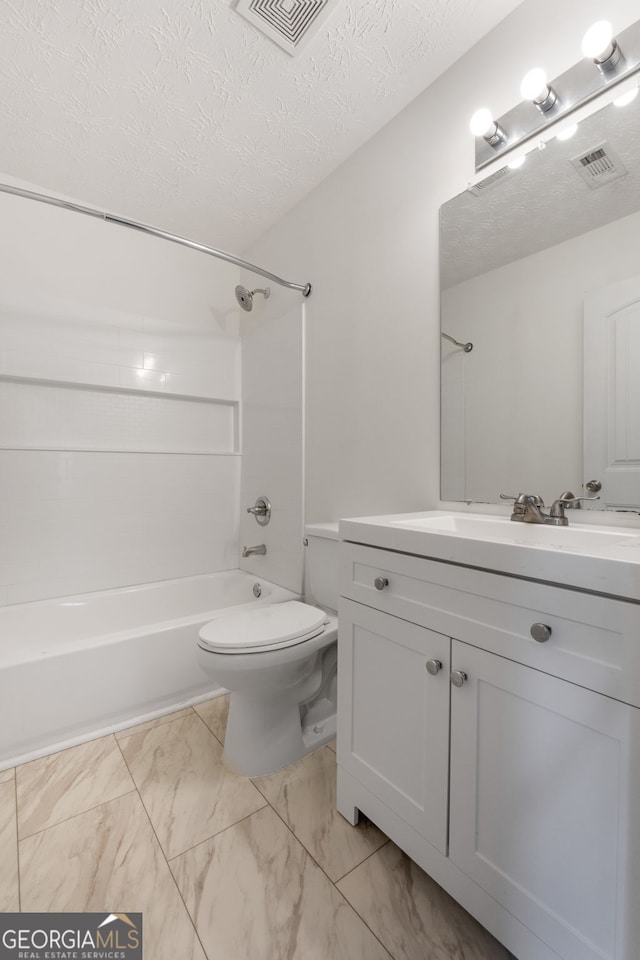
x=279, y=663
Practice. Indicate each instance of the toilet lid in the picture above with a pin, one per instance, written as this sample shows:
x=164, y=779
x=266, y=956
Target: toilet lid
x=272, y=625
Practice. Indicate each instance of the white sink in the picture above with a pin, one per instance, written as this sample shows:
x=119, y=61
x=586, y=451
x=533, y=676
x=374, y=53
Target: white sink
x=588, y=556
x=503, y=530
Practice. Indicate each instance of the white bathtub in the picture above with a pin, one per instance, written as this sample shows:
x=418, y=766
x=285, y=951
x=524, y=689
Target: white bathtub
x=76, y=667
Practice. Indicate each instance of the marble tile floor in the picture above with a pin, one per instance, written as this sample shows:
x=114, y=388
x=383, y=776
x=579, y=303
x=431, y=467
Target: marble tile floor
x=222, y=867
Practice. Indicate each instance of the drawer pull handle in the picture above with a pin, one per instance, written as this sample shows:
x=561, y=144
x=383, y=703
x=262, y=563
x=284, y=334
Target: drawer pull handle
x=458, y=677
x=380, y=583
x=434, y=667
x=541, y=632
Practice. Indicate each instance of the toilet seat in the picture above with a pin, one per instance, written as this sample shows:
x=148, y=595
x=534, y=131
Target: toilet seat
x=263, y=628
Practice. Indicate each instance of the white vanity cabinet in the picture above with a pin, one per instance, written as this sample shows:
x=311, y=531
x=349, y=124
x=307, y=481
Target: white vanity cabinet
x=399, y=745
x=519, y=789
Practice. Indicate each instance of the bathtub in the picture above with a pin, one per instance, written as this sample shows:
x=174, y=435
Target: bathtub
x=74, y=668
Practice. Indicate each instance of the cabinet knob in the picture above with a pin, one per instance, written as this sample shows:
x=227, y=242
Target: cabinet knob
x=434, y=667
x=458, y=677
x=380, y=583
x=540, y=632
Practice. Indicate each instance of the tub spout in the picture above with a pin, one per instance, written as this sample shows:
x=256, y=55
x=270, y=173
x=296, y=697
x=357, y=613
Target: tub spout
x=258, y=551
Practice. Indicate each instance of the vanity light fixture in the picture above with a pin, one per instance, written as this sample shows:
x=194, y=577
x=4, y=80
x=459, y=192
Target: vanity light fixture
x=618, y=62
x=626, y=98
x=599, y=45
x=483, y=125
x=534, y=87
x=567, y=132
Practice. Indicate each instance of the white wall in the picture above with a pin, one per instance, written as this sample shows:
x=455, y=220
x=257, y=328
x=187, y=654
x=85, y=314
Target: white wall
x=367, y=238
x=119, y=406
x=272, y=433
x=523, y=380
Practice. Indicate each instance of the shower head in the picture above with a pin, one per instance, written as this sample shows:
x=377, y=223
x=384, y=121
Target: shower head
x=245, y=297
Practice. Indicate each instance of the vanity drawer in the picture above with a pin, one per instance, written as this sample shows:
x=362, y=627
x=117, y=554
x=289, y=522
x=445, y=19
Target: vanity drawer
x=593, y=641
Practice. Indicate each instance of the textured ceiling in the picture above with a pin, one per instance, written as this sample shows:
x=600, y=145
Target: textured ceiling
x=543, y=203
x=182, y=114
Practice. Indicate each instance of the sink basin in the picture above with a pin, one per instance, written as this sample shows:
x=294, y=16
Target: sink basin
x=586, y=556
x=504, y=530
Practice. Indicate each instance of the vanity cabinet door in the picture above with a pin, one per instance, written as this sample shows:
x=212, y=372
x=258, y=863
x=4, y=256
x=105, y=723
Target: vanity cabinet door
x=545, y=801
x=393, y=715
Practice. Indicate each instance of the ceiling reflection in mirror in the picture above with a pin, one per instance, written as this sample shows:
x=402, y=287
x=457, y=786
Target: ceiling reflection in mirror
x=540, y=270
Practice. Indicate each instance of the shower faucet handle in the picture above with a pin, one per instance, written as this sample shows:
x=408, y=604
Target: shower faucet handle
x=261, y=510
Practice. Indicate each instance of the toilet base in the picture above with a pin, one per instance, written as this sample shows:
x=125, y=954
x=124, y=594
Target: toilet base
x=270, y=731
x=265, y=734
x=282, y=702
x=320, y=732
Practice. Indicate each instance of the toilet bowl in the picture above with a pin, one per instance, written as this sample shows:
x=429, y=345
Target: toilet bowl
x=279, y=664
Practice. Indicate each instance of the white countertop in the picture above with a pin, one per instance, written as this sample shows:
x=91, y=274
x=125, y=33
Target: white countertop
x=591, y=557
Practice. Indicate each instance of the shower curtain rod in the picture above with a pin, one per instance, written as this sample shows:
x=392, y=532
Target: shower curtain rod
x=304, y=288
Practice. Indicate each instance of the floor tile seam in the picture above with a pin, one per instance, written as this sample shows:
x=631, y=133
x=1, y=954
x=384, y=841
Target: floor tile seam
x=283, y=769
x=303, y=845
x=213, y=836
x=362, y=862
x=143, y=804
x=354, y=908
x=262, y=794
x=204, y=839
x=73, y=816
x=311, y=854
x=372, y=932
x=163, y=854
x=334, y=884
x=211, y=731
x=55, y=753
x=108, y=736
x=15, y=800
x=128, y=736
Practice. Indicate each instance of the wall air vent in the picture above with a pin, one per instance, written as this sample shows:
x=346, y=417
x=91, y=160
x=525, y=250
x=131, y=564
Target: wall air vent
x=483, y=186
x=599, y=165
x=289, y=23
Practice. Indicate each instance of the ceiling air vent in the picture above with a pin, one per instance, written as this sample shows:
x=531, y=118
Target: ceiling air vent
x=483, y=186
x=599, y=165
x=289, y=23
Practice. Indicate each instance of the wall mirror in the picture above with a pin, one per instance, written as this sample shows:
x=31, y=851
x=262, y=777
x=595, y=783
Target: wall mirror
x=540, y=271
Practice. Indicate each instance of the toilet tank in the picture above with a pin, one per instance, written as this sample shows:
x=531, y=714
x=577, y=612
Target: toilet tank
x=322, y=564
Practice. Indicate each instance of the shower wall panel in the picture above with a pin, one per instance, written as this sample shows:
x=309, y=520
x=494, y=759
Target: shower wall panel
x=119, y=407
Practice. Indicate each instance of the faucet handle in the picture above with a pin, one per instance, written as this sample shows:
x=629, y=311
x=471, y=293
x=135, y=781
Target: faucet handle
x=261, y=510
x=566, y=500
x=524, y=498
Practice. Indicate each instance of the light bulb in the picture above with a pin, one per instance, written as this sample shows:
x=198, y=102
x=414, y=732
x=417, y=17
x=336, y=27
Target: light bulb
x=517, y=163
x=534, y=85
x=568, y=132
x=626, y=98
x=482, y=123
x=597, y=40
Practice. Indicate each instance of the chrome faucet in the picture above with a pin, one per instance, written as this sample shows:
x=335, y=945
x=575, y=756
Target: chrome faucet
x=527, y=508
x=258, y=551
